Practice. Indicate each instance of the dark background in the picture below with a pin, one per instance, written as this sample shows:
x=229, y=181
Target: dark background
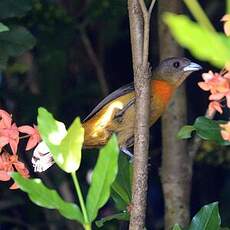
x=62, y=78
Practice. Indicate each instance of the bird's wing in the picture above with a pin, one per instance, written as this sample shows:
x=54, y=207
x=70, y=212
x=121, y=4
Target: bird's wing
x=118, y=93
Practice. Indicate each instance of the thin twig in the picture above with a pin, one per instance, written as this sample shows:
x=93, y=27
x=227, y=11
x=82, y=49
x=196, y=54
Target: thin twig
x=96, y=63
x=151, y=6
x=146, y=16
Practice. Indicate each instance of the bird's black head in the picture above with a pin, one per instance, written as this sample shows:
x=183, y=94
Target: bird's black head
x=175, y=70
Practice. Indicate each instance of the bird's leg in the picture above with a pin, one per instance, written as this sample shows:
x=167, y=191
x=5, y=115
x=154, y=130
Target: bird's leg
x=119, y=115
x=127, y=152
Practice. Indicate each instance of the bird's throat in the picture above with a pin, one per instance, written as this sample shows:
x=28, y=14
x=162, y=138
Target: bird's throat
x=163, y=90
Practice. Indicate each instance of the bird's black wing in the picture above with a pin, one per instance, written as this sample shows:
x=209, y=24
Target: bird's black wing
x=118, y=93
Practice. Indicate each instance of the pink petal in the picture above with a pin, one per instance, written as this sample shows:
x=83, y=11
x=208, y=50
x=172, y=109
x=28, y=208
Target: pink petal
x=228, y=100
x=14, y=186
x=225, y=18
x=6, y=118
x=214, y=106
x=3, y=141
x=225, y=135
x=26, y=129
x=4, y=176
x=204, y=86
x=32, y=142
x=208, y=76
x=21, y=168
x=14, y=145
x=217, y=96
x=227, y=28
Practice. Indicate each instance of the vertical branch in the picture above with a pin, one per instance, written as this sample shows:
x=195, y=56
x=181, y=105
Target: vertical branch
x=176, y=170
x=139, y=18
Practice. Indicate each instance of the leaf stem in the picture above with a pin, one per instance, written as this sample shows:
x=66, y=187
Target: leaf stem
x=199, y=14
x=87, y=224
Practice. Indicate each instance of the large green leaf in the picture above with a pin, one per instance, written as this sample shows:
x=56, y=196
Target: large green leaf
x=70, y=147
x=117, y=216
x=207, y=218
x=14, y=8
x=48, y=198
x=65, y=146
x=103, y=176
x=51, y=131
x=3, y=27
x=122, y=185
x=202, y=43
x=14, y=42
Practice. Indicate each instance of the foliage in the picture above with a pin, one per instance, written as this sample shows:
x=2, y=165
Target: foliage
x=201, y=42
x=206, y=129
x=66, y=148
x=64, y=145
x=14, y=39
x=48, y=198
x=208, y=218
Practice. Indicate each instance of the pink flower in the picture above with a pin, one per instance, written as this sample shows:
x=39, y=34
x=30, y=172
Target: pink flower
x=213, y=107
x=219, y=87
x=225, y=132
x=10, y=163
x=34, y=136
x=8, y=132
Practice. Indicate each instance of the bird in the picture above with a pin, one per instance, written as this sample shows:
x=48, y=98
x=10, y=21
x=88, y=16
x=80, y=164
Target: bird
x=115, y=114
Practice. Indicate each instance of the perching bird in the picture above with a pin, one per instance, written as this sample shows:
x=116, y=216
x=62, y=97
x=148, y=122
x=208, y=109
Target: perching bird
x=116, y=113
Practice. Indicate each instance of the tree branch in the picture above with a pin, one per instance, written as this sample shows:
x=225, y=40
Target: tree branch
x=139, y=30
x=176, y=169
x=96, y=63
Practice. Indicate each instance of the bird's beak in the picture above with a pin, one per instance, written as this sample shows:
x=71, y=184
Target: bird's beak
x=192, y=67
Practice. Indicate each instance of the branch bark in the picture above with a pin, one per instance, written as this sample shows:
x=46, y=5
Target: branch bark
x=176, y=169
x=139, y=18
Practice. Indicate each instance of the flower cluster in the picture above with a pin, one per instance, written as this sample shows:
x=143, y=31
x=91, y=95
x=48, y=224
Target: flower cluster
x=9, y=140
x=219, y=86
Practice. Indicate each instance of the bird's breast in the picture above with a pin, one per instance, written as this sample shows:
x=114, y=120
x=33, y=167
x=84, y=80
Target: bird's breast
x=161, y=93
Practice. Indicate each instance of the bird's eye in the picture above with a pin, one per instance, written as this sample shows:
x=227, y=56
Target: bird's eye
x=176, y=64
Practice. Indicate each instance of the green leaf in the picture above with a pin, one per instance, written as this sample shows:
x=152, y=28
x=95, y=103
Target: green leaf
x=120, y=204
x=51, y=130
x=48, y=198
x=14, y=8
x=122, y=185
x=202, y=43
x=207, y=218
x=185, y=132
x=103, y=176
x=70, y=147
x=118, y=216
x=16, y=41
x=209, y=129
x=3, y=27
x=177, y=227
x=64, y=146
